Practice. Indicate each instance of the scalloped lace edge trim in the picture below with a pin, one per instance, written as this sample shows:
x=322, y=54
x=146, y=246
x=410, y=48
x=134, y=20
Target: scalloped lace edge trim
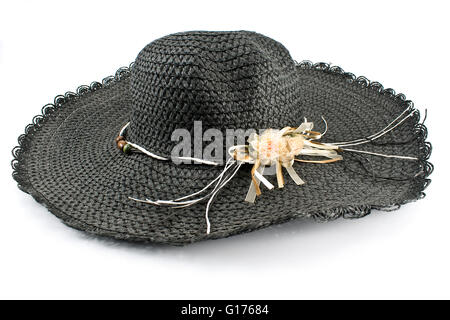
x=421, y=181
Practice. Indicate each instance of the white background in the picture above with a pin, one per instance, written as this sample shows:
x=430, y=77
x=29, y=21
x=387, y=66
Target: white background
x=48, y=48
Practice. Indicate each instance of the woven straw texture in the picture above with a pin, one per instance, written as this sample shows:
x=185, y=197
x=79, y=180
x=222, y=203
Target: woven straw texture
x=68, y=161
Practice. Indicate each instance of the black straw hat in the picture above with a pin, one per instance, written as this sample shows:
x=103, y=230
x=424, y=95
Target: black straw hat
x=75, y=159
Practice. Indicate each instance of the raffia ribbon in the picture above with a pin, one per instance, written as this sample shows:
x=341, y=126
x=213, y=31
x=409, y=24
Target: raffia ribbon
x=273, y=147
x=280, y=148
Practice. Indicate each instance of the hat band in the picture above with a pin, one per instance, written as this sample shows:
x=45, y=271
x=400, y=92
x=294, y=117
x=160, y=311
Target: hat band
x=279, y=148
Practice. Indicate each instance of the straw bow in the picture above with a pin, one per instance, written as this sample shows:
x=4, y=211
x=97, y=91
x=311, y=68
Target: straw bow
x=280, y=148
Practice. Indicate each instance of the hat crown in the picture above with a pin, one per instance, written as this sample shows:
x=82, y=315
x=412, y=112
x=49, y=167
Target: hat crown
x=226, y=80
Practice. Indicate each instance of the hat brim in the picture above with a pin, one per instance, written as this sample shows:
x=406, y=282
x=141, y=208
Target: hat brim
x=68, y=161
